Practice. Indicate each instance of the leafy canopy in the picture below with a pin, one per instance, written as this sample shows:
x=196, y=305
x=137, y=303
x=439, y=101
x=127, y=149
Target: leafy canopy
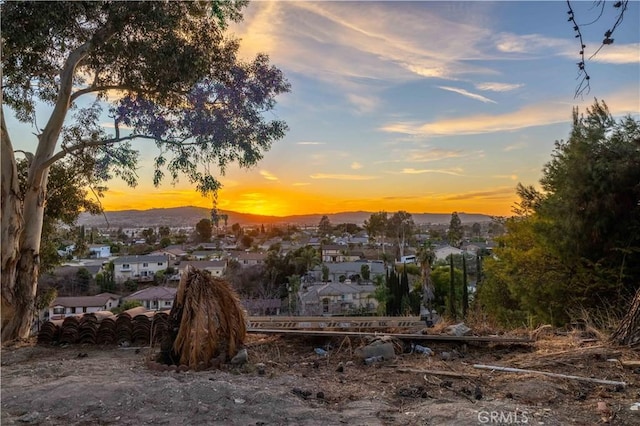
x=167, y=72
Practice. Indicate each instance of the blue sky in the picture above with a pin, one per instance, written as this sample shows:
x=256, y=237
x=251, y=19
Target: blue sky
x=417, y=106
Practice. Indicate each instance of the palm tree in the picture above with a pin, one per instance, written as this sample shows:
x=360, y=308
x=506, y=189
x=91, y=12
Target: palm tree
x=426, y=256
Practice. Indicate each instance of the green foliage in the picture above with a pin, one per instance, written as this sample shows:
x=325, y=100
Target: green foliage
x=376, y=227
x=456, y=232
x=397, y=293
x=401, y=228
x=441, y=279
x=45, y=298
x=126, y=305
x=451, y=302
x=365, y=272
x=204, y=230
x=149, y=235
x=83, y=278
x=131, y=285
x=577, y=244
x=465, y=288
x=381, y=294
x=325, y=273
x=325, y=227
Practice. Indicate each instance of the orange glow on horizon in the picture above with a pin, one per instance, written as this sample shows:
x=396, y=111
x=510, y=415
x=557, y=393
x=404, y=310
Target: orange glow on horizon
x=282, y=201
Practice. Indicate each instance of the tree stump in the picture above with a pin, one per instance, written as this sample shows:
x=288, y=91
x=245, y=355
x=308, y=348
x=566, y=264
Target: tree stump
x=207, y=324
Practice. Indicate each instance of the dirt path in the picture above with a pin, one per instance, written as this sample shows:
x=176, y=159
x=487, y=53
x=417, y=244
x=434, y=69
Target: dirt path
x=53, y=385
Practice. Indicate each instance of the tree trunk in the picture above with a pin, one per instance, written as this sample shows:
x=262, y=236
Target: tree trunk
x=11, y=225
x=21, y=259
x=628, y=331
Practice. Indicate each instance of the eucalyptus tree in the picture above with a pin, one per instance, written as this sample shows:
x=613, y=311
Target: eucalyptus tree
x=455, y=232
x=166, y=75
x=401, y=227
x=376, y=227
x=426, y=256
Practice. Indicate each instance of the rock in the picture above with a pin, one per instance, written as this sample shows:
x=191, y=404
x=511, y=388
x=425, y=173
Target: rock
x=261, y=368
x=31, y=417
x=320, y=395
x=304, y=394
x=458, y=330
x=240, y=358
x=377, y=349
x=340, y=368
x=477, y=393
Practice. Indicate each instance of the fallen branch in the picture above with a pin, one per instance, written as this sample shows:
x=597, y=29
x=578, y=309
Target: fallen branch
x=438, y=373
x=546, y=373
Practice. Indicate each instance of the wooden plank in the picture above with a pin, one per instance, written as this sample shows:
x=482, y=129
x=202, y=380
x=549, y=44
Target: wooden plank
x=438, y=373
x=546, y=373
x=294, y=323
x=401, y=336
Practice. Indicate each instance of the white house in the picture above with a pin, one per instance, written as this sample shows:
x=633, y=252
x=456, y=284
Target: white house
x=337, y=298
x=100, y=251
x=215, y=267
x=249, y=259
x=63, y=307
x=154, y=298
x=139, y=268
x=445, y=251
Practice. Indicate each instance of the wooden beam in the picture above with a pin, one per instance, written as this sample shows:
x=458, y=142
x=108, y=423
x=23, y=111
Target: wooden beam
x=401, y=336
x=546, y=373
x=293, y=323
x=438, y=373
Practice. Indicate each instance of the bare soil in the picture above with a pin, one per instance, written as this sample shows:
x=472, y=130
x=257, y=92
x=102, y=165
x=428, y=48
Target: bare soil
x=92, y=385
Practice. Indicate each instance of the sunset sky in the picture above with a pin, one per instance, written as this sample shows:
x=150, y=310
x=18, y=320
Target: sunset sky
x=419, y=106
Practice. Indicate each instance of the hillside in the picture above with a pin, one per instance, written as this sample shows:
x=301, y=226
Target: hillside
x=189, y=216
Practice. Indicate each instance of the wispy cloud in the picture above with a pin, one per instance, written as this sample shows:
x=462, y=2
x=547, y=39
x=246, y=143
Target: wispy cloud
x=356, y=166
x=363, y=104
x=310, y=143
x=268, y=175
x=531, y=44
x=453, y=172
x=514, y=146
x=467, y=94
x=497, y=193
x=498, y=87
x=433, y=154
x=619, y=54
x=511, y=177
x=625, y=102
x=341, y=176
x=301, y=183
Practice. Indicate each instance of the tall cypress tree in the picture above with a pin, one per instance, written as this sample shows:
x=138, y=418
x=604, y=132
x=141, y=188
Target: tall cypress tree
x=465, y=290
x=404, y=292
x=451, y=305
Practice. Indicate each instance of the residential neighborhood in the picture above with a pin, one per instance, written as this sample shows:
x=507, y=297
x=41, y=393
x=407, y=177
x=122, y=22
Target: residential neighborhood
x=276, y=270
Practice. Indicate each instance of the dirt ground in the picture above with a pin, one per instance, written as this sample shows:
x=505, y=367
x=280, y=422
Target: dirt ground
x=92, y=385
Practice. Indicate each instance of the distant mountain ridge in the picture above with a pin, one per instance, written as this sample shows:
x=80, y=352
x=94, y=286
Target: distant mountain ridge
x=190, y=215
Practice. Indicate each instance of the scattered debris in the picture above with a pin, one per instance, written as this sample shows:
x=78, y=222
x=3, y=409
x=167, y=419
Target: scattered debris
x=421, y=349
x=321, y=352
x=438, y=373
x=240, y=358
x=546, y=373
x=304, y=394
x=458, y=330
x=378, y=348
